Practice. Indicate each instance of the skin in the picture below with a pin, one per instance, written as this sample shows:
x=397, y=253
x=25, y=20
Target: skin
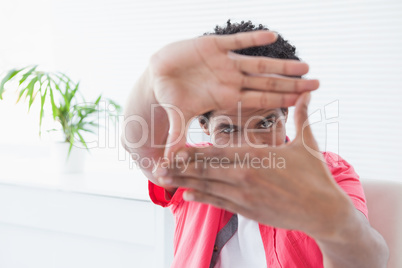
x=303, y=196
x=253, y=126
x=186, y=75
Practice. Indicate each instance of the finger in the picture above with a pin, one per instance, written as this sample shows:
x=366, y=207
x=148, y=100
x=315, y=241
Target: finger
x=245, y=40
x=177, y=131
x=267, y=100
x=278, y=83
x=301, y=114
x=265, y=65
x=304, y=132
x=231, y=154
x=220, y=202
x=215, y=169
x=204, y=185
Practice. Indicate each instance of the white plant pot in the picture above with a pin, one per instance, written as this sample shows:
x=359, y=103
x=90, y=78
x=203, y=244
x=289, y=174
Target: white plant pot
x=65, y=164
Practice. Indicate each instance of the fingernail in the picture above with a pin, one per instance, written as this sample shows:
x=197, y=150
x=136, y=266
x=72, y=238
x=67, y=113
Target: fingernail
x=165, y=180
x=188, y=196
x=160, y=171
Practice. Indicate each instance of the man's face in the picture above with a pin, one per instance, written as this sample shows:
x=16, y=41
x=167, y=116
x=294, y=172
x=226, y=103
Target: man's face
x=247, y=126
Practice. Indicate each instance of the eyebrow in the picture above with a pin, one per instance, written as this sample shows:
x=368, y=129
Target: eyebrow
x=225, y=125
x=266, y=118
x=273, y=114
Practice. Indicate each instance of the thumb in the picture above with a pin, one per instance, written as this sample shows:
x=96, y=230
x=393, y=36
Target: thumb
x=304, y=132
x=177, y=131
x=301, y=115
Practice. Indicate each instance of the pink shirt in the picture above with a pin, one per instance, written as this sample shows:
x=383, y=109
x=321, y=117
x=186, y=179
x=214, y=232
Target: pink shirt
x=197, y=225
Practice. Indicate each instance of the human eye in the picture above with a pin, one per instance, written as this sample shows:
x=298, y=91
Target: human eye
x=228, y=130
x=266, y=123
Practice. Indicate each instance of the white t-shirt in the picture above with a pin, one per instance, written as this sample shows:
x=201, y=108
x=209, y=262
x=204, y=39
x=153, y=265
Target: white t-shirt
x=245, y=248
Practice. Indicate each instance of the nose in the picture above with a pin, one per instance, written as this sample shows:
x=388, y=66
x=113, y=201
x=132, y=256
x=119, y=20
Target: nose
x=253, y=137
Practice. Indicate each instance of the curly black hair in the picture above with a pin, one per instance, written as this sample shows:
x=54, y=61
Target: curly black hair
x=281, y=49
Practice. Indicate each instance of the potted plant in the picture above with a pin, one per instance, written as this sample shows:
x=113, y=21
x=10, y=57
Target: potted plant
x=74, y=115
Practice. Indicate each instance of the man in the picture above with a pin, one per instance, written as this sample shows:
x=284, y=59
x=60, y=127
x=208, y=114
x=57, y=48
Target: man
x=307, y=212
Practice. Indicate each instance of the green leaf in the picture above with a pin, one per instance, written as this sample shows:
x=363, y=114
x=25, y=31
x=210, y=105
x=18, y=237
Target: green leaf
x=62, y=77
x=7, y=78
x=73, y=92
x=117, y=106
x=89, y=124
x=53, y=129
x=69, y=149
x=87, y=110
x=67, y=89
x=87, y=130
x=98, y=99
x=82, y=140
x=27, y=74
x=42, y=102
x=113, y=115
x=21, y=93
x=31, y=87
x=57, y=86
x=66, y=102
x=54, y=107
x=23, y=90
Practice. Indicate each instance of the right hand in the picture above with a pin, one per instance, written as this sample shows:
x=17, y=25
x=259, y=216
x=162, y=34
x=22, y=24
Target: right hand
x=202, y=74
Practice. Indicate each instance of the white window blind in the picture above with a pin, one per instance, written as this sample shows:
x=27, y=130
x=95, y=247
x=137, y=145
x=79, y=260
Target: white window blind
x=353, y=47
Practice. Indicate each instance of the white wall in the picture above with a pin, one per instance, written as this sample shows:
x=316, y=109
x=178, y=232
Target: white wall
x=353, y=47
x=26, y=38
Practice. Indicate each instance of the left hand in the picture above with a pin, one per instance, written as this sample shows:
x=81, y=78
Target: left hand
x=298, y=194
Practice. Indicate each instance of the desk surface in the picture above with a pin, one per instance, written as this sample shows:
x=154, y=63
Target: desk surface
x=116, y=180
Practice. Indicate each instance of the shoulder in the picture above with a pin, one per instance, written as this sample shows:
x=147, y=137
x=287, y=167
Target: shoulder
x=338, y=166
x=346, y=177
